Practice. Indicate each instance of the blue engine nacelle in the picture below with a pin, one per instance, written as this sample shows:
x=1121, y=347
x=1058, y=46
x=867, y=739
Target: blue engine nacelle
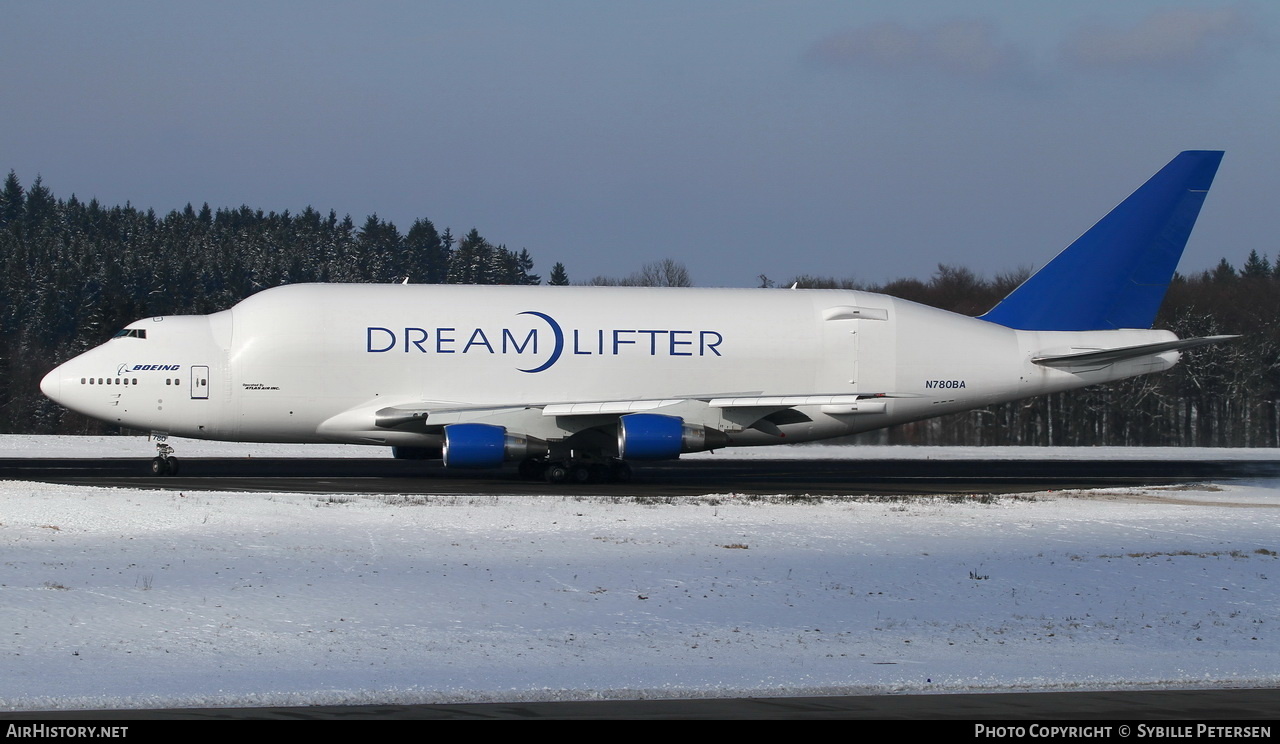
x=487, y=446
x=652, y=436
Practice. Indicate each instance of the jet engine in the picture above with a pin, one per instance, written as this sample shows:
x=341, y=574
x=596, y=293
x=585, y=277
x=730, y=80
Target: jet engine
x=652, y=436
x=487, y=446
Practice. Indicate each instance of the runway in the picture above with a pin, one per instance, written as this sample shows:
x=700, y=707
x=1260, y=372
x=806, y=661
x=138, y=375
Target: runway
x=669, y=478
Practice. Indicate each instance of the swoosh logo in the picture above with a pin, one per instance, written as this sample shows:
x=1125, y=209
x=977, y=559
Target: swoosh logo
x=557, y=351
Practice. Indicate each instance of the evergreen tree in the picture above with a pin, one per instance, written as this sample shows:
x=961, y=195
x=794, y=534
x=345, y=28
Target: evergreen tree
x=1224, y=272
x=501, y=267
x=524, y=269
x=559, y=277
x=12, y=202
x=427, y=257
x=1256, y=267
x=382, y=257
x=472, y=261
x=40, y=207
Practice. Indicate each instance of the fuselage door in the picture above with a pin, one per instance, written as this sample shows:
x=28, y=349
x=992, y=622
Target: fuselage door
x=199, y=383
x=858, y=348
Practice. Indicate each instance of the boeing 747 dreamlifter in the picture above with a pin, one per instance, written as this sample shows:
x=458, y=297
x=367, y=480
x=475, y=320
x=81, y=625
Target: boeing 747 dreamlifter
x=573, y=382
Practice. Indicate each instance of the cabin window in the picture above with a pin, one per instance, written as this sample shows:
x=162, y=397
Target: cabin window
x=131, y=333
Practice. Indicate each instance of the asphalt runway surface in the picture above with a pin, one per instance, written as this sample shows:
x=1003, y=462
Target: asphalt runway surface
x=668, y=478
x=694, y=477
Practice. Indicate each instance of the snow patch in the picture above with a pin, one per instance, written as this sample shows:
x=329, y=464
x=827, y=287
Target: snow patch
x=135, y=598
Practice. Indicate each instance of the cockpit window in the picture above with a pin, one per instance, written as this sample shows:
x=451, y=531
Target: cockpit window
x=131, y=333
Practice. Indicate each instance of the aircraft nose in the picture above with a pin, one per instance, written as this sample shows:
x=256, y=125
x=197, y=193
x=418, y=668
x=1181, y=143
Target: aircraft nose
x=51, y=385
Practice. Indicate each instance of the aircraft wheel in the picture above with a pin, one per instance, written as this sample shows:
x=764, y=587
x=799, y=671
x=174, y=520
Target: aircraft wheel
x=557, y=473
x=620, y=472
x=159, y=466
x=172, y=463
x=580, y=474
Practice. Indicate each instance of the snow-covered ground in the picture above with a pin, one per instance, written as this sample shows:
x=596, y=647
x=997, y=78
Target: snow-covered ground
x=134, y=598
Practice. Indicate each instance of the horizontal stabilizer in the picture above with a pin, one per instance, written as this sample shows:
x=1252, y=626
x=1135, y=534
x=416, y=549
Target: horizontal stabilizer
x=1115, y=275
x=1109, y=356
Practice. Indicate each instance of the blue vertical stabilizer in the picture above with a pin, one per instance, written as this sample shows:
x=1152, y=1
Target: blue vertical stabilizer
x=1116, y=274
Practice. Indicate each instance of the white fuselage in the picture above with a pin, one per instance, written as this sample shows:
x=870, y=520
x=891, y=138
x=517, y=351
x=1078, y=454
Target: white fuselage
x=322, y=362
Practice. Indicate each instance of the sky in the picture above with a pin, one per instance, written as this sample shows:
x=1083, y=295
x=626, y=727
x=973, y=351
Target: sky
x=850, y=139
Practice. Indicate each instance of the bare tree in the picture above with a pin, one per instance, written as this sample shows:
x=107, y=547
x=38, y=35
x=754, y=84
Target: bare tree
x=665, y=273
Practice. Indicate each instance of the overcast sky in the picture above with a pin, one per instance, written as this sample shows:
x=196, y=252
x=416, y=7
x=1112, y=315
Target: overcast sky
x=854, y=139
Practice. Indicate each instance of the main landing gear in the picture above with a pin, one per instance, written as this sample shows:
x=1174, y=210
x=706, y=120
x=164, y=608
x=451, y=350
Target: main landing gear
x=576, y=471
x=164, y=463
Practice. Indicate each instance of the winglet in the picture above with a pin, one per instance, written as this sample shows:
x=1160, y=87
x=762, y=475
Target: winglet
x=1116, y=274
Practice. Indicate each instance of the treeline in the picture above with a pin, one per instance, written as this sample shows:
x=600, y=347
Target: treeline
x=74, y=272
x=1226, y=395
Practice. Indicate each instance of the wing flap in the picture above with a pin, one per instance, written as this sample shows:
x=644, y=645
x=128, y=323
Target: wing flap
x=615, y=407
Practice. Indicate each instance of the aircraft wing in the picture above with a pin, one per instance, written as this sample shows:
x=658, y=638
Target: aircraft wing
x=846, y=402
x=441, y=414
